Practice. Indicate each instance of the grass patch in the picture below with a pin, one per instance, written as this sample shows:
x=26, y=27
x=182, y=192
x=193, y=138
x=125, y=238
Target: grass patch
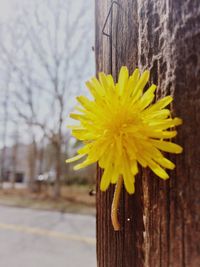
x=74, y=199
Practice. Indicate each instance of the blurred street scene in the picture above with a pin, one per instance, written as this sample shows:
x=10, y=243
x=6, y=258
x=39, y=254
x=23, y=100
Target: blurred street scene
x=44, y=48
x=46, y=56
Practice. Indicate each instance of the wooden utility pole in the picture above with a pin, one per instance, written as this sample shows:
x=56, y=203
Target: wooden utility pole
x=161, y=221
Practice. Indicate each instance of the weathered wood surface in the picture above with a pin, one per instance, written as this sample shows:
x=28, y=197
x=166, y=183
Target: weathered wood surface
x=161, y=221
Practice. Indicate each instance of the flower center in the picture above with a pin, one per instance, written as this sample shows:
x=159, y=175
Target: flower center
x=121, y=123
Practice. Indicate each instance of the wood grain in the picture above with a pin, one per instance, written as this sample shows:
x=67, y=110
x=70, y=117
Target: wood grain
x=161, y=222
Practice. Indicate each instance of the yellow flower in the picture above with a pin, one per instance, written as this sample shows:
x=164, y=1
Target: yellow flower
x=120, y=127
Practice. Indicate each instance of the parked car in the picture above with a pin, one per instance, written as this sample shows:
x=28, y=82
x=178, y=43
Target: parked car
x=46, y=177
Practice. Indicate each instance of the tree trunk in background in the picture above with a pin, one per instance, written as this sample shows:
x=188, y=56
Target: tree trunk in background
x=57, y=185
x=14, y=160
x=32, y=159
x=14, y=165
x=4, y=125
x=160, y=222
x=41, y=157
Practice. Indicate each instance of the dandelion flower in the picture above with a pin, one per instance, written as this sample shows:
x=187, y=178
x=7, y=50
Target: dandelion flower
x=121, y=128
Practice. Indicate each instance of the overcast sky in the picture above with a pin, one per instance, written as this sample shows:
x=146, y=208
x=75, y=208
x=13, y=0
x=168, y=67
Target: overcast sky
x=7, y=9
x=8, y=12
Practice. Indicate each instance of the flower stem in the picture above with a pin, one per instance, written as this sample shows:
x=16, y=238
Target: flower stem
x=115, y=204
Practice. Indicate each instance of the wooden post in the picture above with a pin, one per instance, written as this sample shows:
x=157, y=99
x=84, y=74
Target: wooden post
x=161, y=221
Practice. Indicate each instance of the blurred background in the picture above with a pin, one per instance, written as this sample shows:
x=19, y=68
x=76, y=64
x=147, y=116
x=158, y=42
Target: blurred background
x=46, y=55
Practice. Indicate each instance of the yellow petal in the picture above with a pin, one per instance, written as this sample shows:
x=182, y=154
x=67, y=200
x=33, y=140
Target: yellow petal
x=155, y=115
x=85, y=149
x=165, y=163
x=157, y=169
x=132, y=82
x=127, y=175
x=85, y=102
x=103, y=81
x=76, y=116
x=162, y=134
x=167, y=146
x=77, y=157
x=152, y=153
x=147, y=98
x=141, y=160
x=123, y=79
x=106, y=178
x=165, y=124
x=84, y=164
x=107, y=155
x=110, y=81
x=130, y=187
x=134, y=167
x=97, y=151
x=134, y=78
x=161, y=103
x=131, y=149
x=115, y=175
x=83, y=134
x=92, y=89
x=140, y=86
x=99, y=88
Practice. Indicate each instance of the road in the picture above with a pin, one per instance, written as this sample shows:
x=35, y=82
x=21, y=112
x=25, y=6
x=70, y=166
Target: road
x=32, y=238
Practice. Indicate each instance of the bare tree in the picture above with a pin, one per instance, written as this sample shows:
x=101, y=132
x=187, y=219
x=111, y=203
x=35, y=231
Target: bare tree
x=14, y=156
x=5, y=117
x=48, y=69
